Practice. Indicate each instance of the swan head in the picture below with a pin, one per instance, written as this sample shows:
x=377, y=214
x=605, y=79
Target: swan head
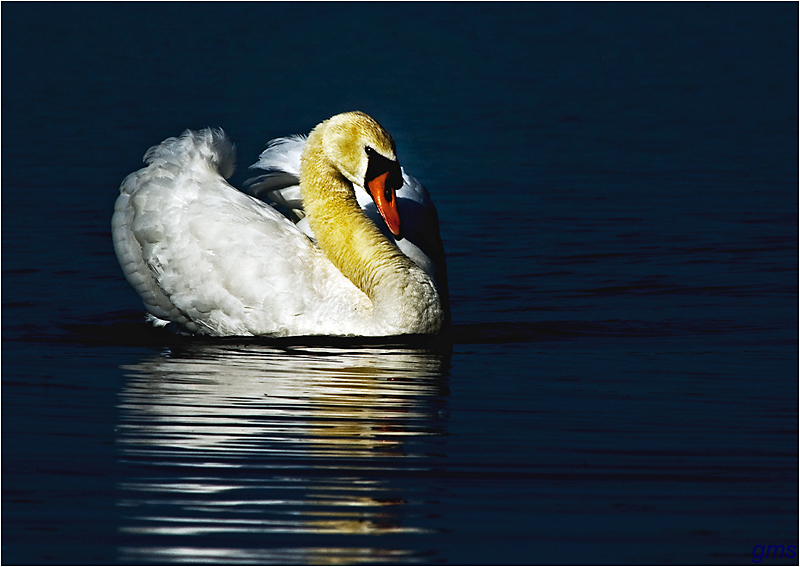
x=364, y=153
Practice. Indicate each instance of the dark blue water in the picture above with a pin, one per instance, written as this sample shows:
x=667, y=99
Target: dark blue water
x=618, y=193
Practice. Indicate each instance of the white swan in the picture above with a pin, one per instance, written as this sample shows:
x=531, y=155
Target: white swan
x=216, y=261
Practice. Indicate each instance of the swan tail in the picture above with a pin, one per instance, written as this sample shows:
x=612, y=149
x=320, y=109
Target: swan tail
x=209, y=144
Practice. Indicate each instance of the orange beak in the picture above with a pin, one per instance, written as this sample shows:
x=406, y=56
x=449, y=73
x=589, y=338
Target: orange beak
x=386, y=201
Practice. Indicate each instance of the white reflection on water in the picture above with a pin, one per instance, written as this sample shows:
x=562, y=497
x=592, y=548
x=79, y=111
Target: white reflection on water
x=257, y=445
x=284, y=556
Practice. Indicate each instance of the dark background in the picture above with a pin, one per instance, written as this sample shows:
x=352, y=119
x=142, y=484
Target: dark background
x=617, y=188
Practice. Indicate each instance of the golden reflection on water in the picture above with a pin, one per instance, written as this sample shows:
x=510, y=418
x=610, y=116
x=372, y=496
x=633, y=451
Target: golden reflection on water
x=249, y=440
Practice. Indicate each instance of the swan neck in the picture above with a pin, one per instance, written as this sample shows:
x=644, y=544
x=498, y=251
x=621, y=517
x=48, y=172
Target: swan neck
x=358, y=249
x=349, y=239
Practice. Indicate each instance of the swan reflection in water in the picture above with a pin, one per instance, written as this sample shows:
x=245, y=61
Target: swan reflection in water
x=253, y=454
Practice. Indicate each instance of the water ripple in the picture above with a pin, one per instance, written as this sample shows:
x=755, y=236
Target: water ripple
x=304, y=435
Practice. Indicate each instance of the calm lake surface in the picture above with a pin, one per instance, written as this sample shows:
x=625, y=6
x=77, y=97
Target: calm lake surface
x=618, y=192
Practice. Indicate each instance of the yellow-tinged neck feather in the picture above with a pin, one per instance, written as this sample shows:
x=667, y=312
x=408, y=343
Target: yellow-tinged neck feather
x=402, y=295
x=349, y=239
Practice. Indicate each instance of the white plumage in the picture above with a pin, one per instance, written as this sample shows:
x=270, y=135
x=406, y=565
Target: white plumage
x=216, y=261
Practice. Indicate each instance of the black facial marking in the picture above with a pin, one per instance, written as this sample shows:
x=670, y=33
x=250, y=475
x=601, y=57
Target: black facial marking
x=378, y=165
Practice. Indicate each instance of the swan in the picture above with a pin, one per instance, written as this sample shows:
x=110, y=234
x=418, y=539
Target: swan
x=334, y=239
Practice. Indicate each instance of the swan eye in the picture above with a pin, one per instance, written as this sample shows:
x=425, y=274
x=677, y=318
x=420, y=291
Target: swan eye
x=369, y=151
